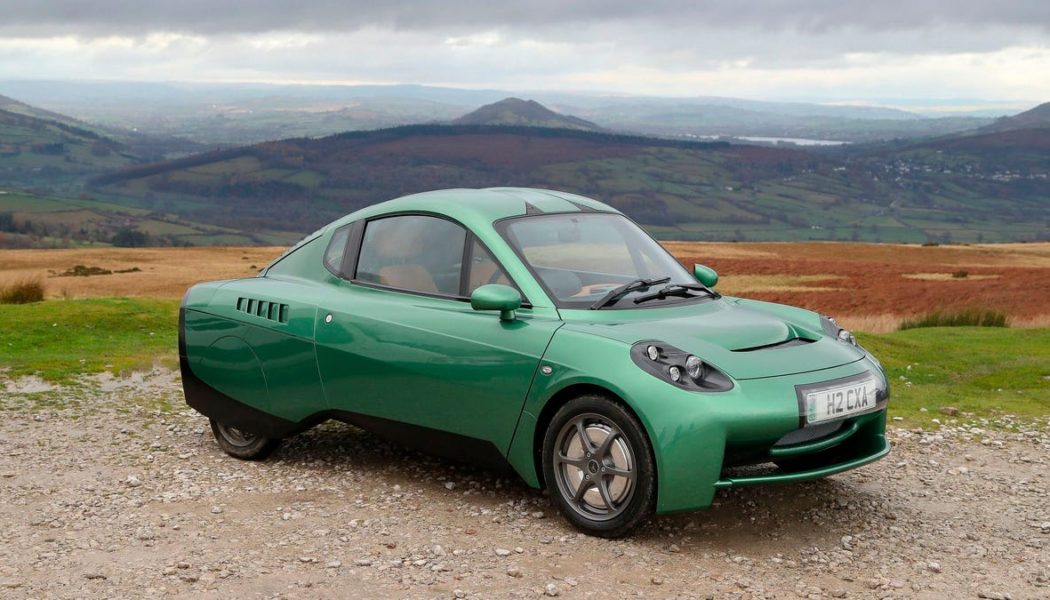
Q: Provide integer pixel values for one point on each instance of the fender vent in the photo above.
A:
(271, 311)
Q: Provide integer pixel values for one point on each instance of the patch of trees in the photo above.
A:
(130, 238)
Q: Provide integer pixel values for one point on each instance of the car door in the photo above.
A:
(397, 338)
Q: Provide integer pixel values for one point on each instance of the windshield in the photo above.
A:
(579, 258)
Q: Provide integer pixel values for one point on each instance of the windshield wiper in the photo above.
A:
(677, 289)
(619, 292)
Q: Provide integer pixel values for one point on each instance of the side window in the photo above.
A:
(484, 269)
(333, 255)
(413, 252)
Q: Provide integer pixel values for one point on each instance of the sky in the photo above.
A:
(843, 50)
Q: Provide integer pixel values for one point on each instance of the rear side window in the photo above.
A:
(413, 252)
(333, 255)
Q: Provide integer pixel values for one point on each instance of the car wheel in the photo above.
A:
(598, 465)
(241, 444)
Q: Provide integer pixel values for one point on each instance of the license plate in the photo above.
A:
(841, 401)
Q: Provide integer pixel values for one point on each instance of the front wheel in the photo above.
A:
(598, 464)
(241, 444)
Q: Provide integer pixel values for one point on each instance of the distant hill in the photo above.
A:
(1036, 118)
(238, 114)
(679, 190)
(142, 145)
(38, 147)
(38, 221)
(14, 106)
(47, 150)
(1013, 148)
(523, 113)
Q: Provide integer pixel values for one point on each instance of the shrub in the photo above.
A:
(84, 271)
(965, 318)
(23, 292)
(960, 274)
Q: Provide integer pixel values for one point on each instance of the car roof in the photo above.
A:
(473, 207)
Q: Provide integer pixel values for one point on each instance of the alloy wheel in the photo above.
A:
(594, 466)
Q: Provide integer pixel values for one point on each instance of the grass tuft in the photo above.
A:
(965, 318)
(26, 291)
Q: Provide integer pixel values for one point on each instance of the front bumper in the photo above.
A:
(858, 442)
(737, 439)
(696, 436)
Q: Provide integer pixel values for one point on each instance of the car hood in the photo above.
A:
(743, 339)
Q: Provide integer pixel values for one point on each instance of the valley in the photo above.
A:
(987, 183)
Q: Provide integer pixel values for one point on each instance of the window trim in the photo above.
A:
(356, 242)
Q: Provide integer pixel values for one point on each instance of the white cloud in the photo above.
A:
(761, 48)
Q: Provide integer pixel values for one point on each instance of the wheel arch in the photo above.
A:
(575, 390)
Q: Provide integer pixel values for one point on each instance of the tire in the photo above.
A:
(242, 445)
(604, 483)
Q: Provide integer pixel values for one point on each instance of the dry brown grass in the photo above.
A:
(737, 285)
(949, 277)
(719, 250)
(165, 272)
(883, 323)
(868, 287)
(978, 255)
(25, 291)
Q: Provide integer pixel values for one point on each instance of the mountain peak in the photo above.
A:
(526, 113)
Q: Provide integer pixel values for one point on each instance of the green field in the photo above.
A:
(60, 340)
(985, 373)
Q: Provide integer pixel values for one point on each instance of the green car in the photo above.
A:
(536, 329)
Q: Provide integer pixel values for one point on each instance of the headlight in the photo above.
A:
(694, 367)
(679, 368)
(675, 373)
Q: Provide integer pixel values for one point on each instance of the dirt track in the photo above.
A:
(104, 498)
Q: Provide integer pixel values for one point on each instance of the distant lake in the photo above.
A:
(796, 141)
(771, 140)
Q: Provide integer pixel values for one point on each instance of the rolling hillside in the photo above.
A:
(1035, 118)
(45, 150)
(37, 146)
(680, 190)
(35, 221)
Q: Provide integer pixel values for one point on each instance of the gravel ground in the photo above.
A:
(104, 493)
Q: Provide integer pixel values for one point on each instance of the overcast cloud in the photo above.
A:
(758, 48)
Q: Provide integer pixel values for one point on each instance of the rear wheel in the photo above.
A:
(241, 444)
(598, 465)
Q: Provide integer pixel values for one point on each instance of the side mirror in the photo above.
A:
(496, 296)
(705, 275)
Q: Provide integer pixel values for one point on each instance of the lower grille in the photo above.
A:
(809, 434)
